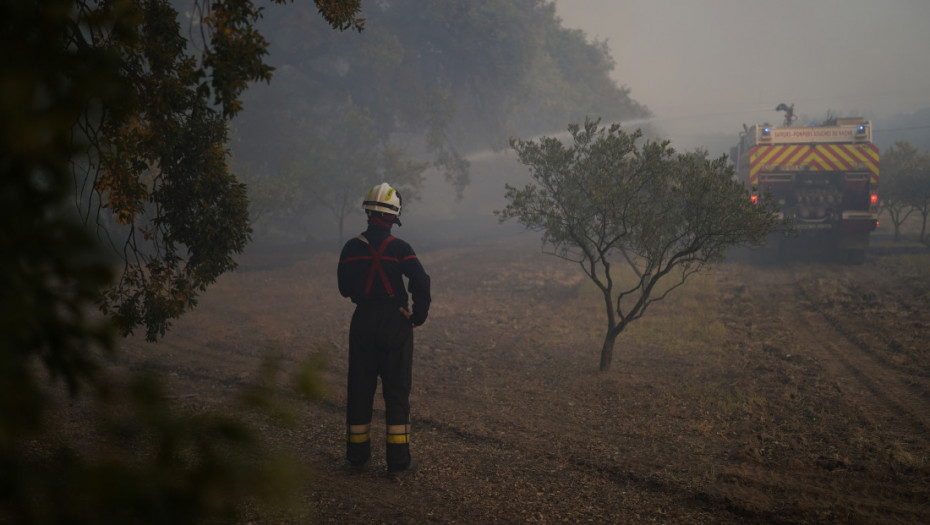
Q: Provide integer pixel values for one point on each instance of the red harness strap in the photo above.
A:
(376, 257)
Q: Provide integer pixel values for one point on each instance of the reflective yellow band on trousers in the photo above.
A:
(398, 439)
(398, 434)
(358, 438)
(358, 433)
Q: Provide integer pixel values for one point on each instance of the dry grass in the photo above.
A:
(911, 264)
(720, 406)
(905, 460)
(686, 321)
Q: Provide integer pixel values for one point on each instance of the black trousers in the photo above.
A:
(380, 344)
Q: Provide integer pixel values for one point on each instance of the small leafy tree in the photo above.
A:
(899, 163)
(269, 193)
(919, 194)
(665, 215)
(346, 159)
(920, 198)
(905, 186)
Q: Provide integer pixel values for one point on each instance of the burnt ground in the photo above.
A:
(797, 393)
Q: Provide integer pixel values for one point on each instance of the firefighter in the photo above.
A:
(371, 270)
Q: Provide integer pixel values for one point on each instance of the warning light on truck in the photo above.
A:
(860, 132)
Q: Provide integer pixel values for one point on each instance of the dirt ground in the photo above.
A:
(797, 393)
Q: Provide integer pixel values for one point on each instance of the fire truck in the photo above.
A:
(824, 179)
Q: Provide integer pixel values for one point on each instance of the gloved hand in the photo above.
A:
(416, 318)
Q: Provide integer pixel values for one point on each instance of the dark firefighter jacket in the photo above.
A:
(361, 278)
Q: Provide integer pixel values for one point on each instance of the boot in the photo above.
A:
(398, 452)
(411, 469)
(358, 450)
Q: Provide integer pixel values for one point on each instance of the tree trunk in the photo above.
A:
(897, 218)
(607, 351)
(923, 229)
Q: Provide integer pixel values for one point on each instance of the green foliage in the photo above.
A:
(307, 379)
(341, 14)
(346, 159)
(159, 163)
(436, 77)
(667, 215)
(569, 78)
(267, 194)
(156, 157)
(148, 462)
(103, 89)
(905, 186)
(51, 270)
(898, 165)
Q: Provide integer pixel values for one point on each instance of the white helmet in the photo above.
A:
(383, 198)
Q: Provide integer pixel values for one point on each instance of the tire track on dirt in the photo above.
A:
(886, 339)
(799, 483)
(863, 377)
(878, 356)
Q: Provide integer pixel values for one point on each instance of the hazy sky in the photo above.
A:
(714, 64)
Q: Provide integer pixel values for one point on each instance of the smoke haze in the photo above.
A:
(705, 67)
